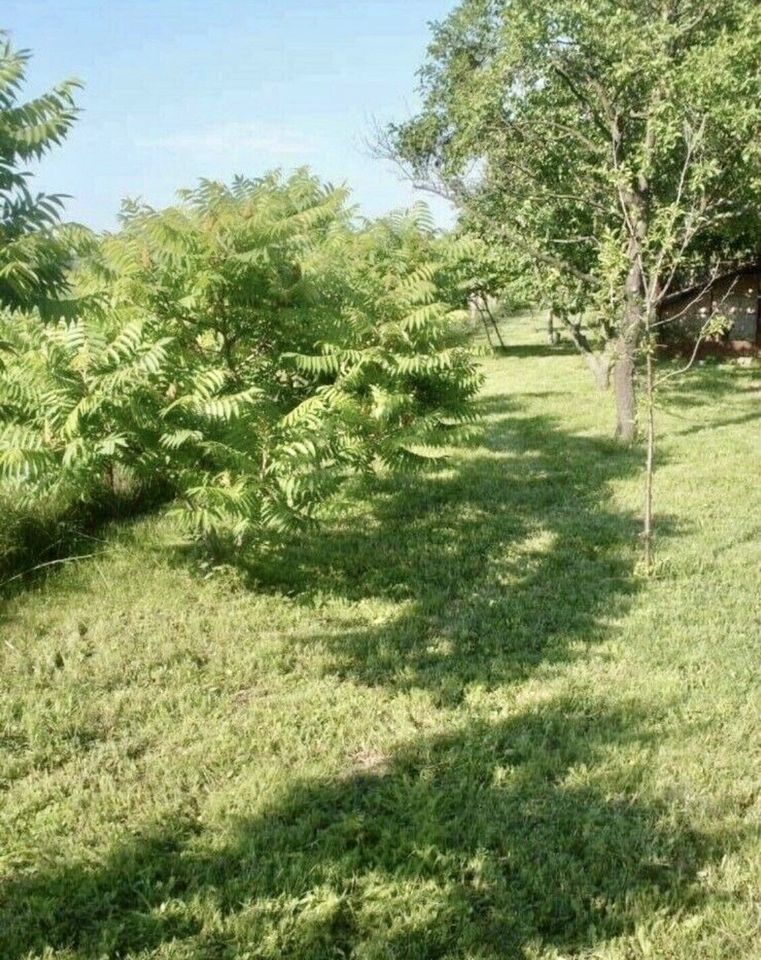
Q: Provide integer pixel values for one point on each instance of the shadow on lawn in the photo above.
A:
(714, 382)
(525, 350)
(506, 561)
(37, 545)
(487, 842)
(695, 398)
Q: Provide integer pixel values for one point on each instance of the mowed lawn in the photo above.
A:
(455, 722)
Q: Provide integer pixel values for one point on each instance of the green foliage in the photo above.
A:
(566, 106)
(617, 147)
(33, 249)
(498, 271)
(250, 348)
(75, 398)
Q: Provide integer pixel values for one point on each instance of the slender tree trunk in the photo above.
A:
(553, 337)
(486, 329)
(488, 315)
(647, 526)
(628, 338)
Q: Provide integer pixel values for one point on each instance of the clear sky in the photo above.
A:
(180, 89)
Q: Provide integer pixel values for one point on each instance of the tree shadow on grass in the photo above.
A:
(512, 558)
(713, 382)
(38, 543)
(493, 841)
(525, 350)
(714, 396)
(490, 841)
(753, 416)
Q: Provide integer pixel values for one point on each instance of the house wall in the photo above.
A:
(737, 298)
(687, 313)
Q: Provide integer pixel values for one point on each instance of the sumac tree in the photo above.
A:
(34, 250)
(250, 347)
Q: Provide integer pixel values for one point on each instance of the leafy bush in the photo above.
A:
(34, 249)
(248, 348)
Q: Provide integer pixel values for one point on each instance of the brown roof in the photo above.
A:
(707, 283)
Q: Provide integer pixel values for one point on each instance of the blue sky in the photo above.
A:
(180, 89)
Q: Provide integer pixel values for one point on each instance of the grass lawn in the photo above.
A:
(454, 723)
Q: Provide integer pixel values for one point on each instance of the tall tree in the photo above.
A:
(32, 256)
(618, 144)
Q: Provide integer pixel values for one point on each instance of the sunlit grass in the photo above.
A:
(455, 723)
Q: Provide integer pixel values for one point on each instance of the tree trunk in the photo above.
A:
(486, 329)
(647, 525)
(599, 364)
(488, 303)
(623, 388)
(553, 337)
(629, 333)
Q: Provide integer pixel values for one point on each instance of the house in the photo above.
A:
(734, 296)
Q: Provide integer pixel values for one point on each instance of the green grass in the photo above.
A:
(454, 723)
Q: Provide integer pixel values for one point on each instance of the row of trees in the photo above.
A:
(613, 148)
(247, 348)
(256, 343)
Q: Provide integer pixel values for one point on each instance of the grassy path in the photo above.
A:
(454, 724)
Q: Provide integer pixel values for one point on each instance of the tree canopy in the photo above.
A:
(33, 256)
(618, 145)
